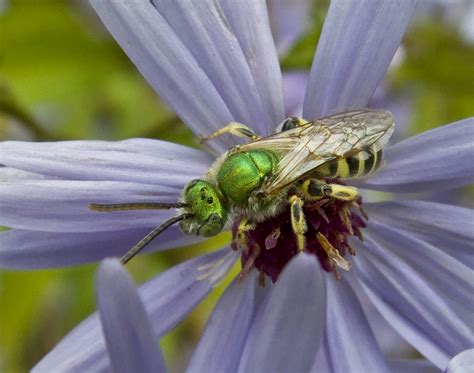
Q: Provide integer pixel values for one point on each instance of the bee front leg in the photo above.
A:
(298, 222)
(317, 189)
(244, 226)
(233, 128)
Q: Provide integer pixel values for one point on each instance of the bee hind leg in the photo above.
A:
(317, 189)
(298, 221)
(233, 128)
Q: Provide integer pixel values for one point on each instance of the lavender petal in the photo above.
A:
(350, 343)
(130, 342)
(222, 342)
(21, 249)
(192, 58)
(449, 228)
(289, 20)
(13, 174)
(249, 22)
(168, 298)
(437, 159)
(134, 160)
(358, 41)
(63, 206)
(294, 88)
(411, 366)
(447, 276)
(410, 304)
(289, 325)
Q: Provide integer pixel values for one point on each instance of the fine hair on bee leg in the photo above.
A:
(316, 189)
(241, 235)
(298, 221)
(233, 128)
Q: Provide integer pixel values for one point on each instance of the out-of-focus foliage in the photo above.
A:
(59, 63)
(436, 75)
(63, 77)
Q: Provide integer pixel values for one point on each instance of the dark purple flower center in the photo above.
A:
(330, 222)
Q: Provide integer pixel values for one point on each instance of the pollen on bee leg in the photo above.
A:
(241, 237)
(333, 253)
(298, 221)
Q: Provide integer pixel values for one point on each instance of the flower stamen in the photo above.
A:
(270, 244)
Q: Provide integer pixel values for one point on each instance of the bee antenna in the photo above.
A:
(152, 235)
(135, 206)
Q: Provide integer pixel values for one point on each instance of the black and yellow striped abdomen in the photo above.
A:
(357, 165)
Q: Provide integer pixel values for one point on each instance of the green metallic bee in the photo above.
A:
(259, 179)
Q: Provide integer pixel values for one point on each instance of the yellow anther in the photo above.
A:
(333, 254)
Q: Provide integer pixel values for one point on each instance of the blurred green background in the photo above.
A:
(63, 77)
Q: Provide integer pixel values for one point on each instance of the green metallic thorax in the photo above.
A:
(242, 173)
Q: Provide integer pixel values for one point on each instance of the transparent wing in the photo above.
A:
(305, 148)
(281, 142)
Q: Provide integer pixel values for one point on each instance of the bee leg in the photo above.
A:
(298, 221)
(233, 128)
(292, 123)
(317, 189)
(241, 235)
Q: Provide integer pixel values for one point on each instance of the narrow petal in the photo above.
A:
(351, 345)
(221, 345)
(168, 298)
(21, 249)
(294, 88)
(462, 362)
(390, 342)
(411, 366)
(63, 206)
(249, 22)
(409, 303)
(190, 54)
(449, 228)
(289, 325)
(323, 362)
(449, 278)
(289, 20)
(234, 47)
(358, 41)
(135, 160)
(130, 342)
(13, 174)
(437, 159)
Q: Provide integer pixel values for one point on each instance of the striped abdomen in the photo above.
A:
(356, 165)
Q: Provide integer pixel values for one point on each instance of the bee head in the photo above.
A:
(207, 205)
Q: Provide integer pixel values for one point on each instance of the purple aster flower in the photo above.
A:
(213, 63)
(124, 318)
